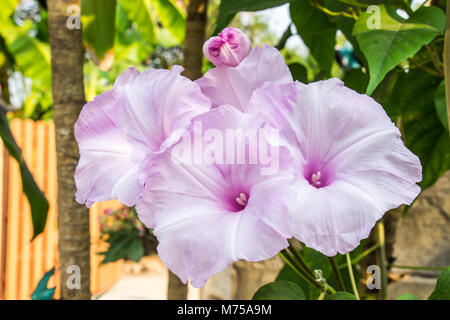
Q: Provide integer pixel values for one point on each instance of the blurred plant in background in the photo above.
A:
(128, 239)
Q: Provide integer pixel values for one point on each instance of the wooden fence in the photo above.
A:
(23, 263)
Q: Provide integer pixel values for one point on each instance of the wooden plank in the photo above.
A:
(25, 217)
(13, 228)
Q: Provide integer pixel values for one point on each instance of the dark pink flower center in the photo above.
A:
(239, 202)
(319, 176)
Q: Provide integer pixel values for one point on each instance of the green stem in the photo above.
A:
(337, 274)
(294, 266)
(352, 278)
(382, 258)
(297, 255)
(321, 296)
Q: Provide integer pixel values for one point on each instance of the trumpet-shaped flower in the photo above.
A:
(124, 128)
(206, 216)
(352, 165)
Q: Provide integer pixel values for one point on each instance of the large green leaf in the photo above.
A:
(38, 203)
(316, 31)
(442, 290)
(341, 295)
(229, 8)
(397, 39)
(279, 290)
(441, 105)
(139, 11)
(171, 17)
(98, 18)
(413, 102)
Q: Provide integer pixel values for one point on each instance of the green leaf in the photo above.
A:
(123, 244)
(229, 8)
(341, 295)
(356, 79)
(42, 292)
(413, 102)
(279, 290)
(407, 296)
(442, 290)
(316, 31)
(139, 11)
(171, 17)
(135, 250)
(441, 105)
(298, 72)
(98, 18)
(38, 203)
(396, 40)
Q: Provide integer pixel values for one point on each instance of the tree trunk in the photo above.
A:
(195, 37)
(68, 99)
(193, 61)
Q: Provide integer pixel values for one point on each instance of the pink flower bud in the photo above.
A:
(229, 48)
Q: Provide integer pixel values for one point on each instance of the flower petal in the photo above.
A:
(190, 208)
(235, 85)
(122, 128)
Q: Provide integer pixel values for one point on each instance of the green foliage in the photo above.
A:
(407, 296)
(356, 79)
(341, 295)
(279, 290)
(442, 289)
(396, 39)
(42, 292)
(316, 30)
(126, 236)
(139, 12)
(299, 72)
(441, 105)
(412, 101)
(229, 8)
(171, 17)
(38, 203)
(98, 18)
(123, 245)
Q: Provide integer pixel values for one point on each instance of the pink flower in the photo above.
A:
(235, 85)
(351, 162)
(229, 48)
(206, 216)
(124, 128)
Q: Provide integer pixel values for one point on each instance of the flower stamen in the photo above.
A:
(242, 199)
(315, 179)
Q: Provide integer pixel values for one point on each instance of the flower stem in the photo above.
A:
(382, 258)
(352, 278)
(297, 255)
(337, 274)
(299, 270)
(321, 296)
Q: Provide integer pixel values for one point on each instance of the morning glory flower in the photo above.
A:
(124, 128)
(234, 85)
(352, 165)
(206, 216)
(229, 48)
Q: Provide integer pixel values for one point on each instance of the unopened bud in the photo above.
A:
(229, 48)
